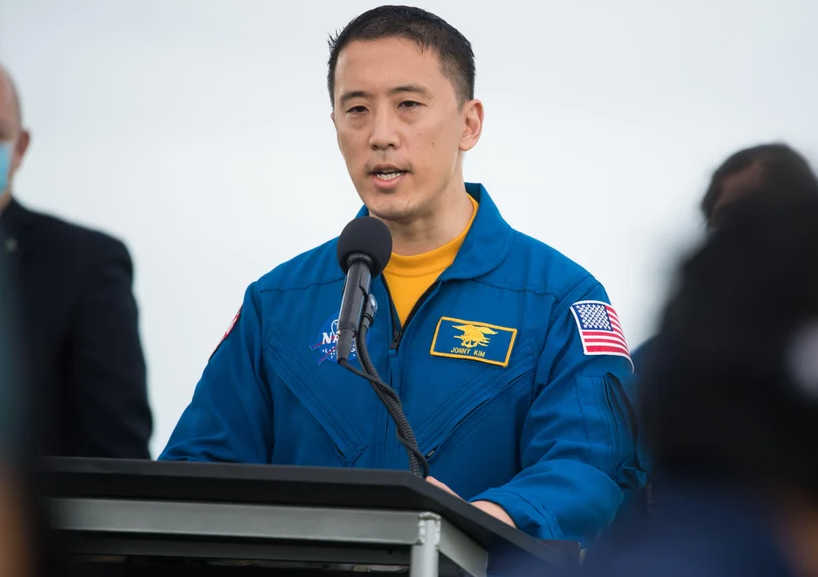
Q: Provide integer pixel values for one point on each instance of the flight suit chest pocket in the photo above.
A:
(462, 412)
(312, 425)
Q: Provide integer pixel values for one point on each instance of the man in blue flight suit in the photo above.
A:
(508, 358)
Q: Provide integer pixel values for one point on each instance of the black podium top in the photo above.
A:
(293, 486)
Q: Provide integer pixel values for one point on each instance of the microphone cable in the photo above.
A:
(417, 461)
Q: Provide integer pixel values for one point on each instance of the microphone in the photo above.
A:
(364, 248)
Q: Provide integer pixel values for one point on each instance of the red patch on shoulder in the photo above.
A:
(227, 332)
(232, 324)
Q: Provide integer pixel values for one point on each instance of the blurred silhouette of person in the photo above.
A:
(15, 541)
(775, 167)
(28, 546)
(78, 319)
(730, 405)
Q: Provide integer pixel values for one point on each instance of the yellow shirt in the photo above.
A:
(408, 277)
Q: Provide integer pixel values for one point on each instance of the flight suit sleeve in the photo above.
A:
(578, 445)
(230, 417)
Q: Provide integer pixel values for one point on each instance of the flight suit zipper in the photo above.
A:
(398, 328)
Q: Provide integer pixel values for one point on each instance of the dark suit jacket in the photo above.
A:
(80, 331)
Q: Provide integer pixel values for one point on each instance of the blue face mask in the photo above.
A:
(6, 150)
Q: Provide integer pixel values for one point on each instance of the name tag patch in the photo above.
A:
(459, 339)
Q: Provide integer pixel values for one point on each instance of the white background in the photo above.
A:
(198, 131)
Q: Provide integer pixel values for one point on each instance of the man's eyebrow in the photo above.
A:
(403, 89)
(347, 96)
(414, 88)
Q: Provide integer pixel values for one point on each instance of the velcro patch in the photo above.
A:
(599, 329)
(227, 332)
(459, 339)
(232, 324)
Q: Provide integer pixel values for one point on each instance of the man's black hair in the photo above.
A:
(421, 27)
(780, 168)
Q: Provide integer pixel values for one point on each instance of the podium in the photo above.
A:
(182, 518)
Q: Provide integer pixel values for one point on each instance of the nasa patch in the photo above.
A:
(326, 341)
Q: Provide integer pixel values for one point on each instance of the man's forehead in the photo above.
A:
(386, 65)
(394, 53)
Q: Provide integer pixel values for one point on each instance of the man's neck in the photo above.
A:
(435, 230)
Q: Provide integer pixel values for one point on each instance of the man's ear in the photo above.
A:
(20, 149)
(337, 136)
(472, 124)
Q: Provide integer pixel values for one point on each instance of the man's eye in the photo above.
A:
(409, 104)
(356, 110)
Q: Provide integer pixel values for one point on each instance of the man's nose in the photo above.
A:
(384, 131)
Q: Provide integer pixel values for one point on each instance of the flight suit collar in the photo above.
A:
(486, 245)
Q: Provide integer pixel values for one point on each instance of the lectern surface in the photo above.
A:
(242, 484)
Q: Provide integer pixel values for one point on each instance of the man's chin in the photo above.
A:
(387, 215)
(391, 214)
(388, 207)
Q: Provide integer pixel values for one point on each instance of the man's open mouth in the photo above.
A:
(389, 175)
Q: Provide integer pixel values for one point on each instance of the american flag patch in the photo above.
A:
(600, 329)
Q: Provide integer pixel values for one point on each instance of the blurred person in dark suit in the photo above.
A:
(78, 319)
(774, 167)
(730, 405)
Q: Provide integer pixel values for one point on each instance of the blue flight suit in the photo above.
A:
(506, 401)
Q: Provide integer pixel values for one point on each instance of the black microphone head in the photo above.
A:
(368, 236)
